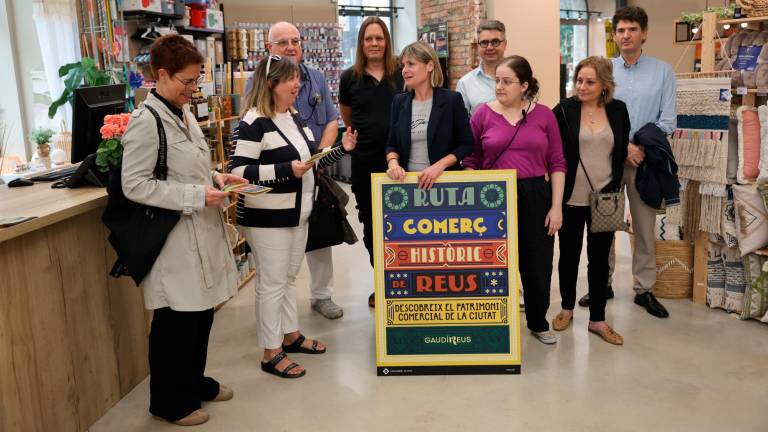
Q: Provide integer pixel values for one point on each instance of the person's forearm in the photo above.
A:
(447, 161)
(558, 187)
(330, 133)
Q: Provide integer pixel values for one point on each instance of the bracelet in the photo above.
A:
(392, 159)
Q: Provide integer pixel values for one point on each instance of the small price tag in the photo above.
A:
(741, 91)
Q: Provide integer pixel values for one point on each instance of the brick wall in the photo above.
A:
(463, 17)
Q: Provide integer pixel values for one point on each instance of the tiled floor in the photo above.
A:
(699, 370)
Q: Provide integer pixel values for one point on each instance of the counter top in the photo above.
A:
(49, 206)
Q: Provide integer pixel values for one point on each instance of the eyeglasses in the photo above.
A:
(506, 82)
(493, 42)
(285, 42)
(192, 82)
(270, 59)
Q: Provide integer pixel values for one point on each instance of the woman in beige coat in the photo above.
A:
(195, 270)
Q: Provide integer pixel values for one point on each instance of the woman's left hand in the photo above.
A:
(222, 180)
(428, 177)
(554, 220)
(349, 139)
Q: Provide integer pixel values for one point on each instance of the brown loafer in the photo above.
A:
(197, 417)
(225, 394)
(372, 300)
(561, 321)
(608, 335)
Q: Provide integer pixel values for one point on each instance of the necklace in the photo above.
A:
(591, 114)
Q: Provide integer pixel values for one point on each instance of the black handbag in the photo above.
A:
(325, 226)
(137, 231)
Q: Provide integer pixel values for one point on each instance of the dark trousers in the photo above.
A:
(598, 248)
(361, 187)
(178, 348)
(535, 249)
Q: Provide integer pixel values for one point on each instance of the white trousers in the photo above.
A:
(278, 253)
(320, 263)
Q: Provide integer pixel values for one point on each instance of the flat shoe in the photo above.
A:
(372, 300)
(608, 335)
(296, 347)
(561, 322)
(225, 394)
(271, 367)
(197, 417)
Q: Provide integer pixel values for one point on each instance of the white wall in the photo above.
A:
(10, 111)
(406, 23)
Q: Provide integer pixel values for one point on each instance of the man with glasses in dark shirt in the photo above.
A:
(365, 99)
(479, 86)
(316, 108)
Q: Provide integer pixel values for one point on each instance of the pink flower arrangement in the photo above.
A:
(114, 126)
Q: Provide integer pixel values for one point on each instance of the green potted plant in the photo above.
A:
(42, 139)
(73, 74)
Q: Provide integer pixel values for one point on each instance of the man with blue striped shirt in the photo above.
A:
(647, 86)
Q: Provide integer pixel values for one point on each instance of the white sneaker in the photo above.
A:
(546, 337)
(327, 308)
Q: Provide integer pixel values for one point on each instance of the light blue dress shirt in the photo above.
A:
(648, 89)
(476, 88)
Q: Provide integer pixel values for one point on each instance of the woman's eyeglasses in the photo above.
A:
(270, 59)
(192, 82)
(493, 42)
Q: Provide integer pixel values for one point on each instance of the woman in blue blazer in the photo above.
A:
(430, 129)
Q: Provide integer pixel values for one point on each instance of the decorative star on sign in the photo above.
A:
(494, 282)
(493, 291)
(486, 273)
(493, 274)
(399, 293)
(487, 291)
(398, 275)
(501, 273)
(391, 276)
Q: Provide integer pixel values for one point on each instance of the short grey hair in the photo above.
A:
(492, 25)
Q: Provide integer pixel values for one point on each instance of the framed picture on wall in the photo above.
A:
(683, 32)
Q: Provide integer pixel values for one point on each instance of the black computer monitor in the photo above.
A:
(90, 106)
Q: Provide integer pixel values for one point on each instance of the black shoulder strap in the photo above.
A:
(570, 134)
(161, 167)
(299, 124)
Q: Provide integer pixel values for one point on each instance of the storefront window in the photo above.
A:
(574, 42)
(351, 18)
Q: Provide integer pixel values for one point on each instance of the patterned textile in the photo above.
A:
(756, 295)
(735, 283)
(715, 276)
(763, 113)
(700, 146)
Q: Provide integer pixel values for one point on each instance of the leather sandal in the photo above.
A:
(197, 417)
(561, 321)
(608, 335)
(271, 367)
(296, 347)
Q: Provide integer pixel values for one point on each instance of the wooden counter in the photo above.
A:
(73, 340)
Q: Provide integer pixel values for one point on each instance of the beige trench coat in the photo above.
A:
(195, 270)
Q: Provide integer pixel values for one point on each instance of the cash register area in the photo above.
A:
(692, 370)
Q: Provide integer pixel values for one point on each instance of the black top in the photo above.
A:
(370, 101)
(448, 130)
(568, 114)
(174, 109)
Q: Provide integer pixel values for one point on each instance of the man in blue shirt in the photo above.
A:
(647, 86)
(479, 85)
(316, 108)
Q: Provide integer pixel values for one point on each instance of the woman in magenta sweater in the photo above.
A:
(515, 132)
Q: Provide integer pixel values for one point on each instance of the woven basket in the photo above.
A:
(674, 268)
(754, 8)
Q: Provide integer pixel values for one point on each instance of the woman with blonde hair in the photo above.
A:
(430, 126)
(595, 134)
(271, 144)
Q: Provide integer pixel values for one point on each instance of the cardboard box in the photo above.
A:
(138, 5)
(215, 20)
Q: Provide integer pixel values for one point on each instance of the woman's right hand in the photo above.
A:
(299, 168)
(395, 171)
(214, 197)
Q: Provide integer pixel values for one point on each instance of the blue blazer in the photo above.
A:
(448, 131)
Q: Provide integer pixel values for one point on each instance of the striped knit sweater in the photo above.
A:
(263, 155)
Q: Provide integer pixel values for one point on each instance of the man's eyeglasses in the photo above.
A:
(192, 82)
(285, 42)
(270, 59)
(493, 42)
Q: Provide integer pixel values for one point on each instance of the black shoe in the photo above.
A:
(372, 300)
(584, 301)
(649, 302)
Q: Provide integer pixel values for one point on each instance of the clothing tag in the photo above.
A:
(741, 91)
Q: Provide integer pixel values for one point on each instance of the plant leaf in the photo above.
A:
(63, 99)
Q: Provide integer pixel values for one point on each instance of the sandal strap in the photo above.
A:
(297, 343)
(289, 368)
(277, 359)
(314, 345)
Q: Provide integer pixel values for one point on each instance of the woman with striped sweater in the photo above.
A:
(271, 143)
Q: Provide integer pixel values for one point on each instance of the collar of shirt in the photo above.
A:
(480, 72)
(634, 65)
(174, 109)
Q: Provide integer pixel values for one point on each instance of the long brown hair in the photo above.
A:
(390, 64)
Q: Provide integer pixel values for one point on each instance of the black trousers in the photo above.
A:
(361, 187)
(535, 248)
(598, 248)
(178, 348)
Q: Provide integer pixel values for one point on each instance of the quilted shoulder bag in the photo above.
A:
(606, 208)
